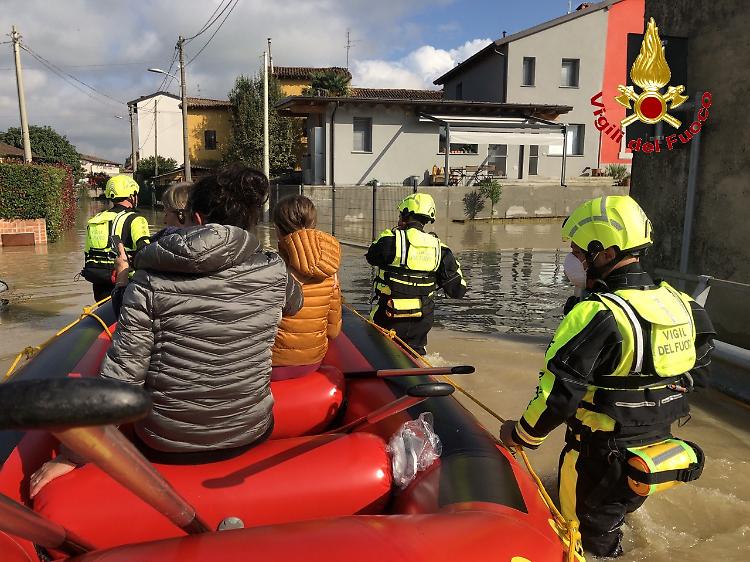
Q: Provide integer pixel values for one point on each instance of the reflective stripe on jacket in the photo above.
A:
(619, 363)
(411, 273)
(118, 221)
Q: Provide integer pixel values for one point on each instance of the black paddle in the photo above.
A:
(410, 372)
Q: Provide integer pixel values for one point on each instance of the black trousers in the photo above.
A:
(412, 330)
(102, 291)
(594, 491)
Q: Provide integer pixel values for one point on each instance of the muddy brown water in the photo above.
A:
(516, 290)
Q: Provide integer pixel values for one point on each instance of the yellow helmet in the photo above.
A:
(121, 186)
(420, 204)
(609, 221)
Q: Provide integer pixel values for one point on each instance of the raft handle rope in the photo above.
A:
(30, 351)
(567, 530)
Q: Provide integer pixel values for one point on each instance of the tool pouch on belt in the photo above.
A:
(407, 308)
(663, 465)
(98, 275)
(637, 410)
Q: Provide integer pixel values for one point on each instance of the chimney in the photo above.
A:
(504, 32)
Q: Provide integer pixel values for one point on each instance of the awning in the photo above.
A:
(473, 129)
(499, 130)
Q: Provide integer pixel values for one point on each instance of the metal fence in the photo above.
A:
(354, 214)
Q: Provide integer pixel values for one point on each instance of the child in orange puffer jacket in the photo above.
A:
(313, 257)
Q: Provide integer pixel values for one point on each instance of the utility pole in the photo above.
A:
(133, 159)
(183, 89)
(266, 151)
(270, 58)
(156, 138)
(21, 98)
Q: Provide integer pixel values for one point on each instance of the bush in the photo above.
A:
(33, 191)
(473, 204)
(98, 180)
(48, 146)
(618, 172)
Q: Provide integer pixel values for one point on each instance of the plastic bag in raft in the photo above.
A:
(414, 447)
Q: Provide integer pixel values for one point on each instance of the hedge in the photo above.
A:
(33, 191)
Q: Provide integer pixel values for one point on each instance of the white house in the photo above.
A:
(95, 165)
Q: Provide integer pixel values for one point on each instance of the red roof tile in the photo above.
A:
(306, 72)
(395, 94)
(207, 102)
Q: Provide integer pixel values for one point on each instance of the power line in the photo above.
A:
(52, 66)
(215, 32)
(211, 20)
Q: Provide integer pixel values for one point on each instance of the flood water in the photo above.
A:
(514, 301)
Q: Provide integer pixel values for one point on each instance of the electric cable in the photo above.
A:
(59, 71)
(215, 32)
(211, 20)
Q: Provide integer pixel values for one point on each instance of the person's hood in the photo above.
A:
(198, 249)
(313, 253)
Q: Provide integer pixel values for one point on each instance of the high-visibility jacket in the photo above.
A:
(412, 264)
(620, 364)
(124, 222)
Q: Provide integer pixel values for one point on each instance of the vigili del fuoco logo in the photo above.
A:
(651, 73)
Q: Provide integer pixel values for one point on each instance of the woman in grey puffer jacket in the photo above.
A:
(197, 324)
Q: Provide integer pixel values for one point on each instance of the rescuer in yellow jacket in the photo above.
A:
(120, 221)
(617, 372)
(412, 265)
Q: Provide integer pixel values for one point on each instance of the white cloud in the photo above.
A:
(418, 69)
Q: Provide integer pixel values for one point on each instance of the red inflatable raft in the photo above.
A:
(311, 492)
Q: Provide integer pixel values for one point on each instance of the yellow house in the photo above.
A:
(294, 79)
(209, 130)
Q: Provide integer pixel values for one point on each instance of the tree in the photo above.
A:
(491, 189)
(146, 167)
(246, 144)
(333, 83)
(47, 146)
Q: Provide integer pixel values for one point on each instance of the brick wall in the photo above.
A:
(37, 227)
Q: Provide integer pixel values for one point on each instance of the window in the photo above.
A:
(498, 155)
(209, 140)
(362, 134)
(570, 68)
(534, 160)
(456, 148)
(460, 91)
(573, 142)
(575, 139)
(529, 71)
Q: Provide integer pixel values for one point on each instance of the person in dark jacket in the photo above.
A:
(618, 373)
(412, 265)
(197, 324)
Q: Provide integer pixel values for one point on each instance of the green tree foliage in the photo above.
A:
(246, 143)
(32, 191)
(331, 83)
(146, 167)
(48, 146)
(491, 189)
(473, 204)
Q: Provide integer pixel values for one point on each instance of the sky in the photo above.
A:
(109, 44)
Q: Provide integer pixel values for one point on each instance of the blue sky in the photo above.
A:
(108, 44)
(449, 24)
